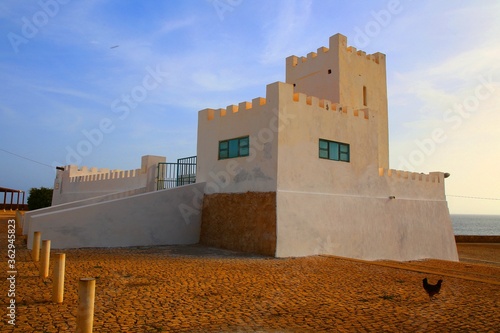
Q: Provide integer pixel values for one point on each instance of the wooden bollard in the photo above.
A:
(58, 280)
(37, 237)
(19, 227)
(85, 314)
(45, 260)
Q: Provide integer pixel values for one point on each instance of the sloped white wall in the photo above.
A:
(26, 219)
(154, 218)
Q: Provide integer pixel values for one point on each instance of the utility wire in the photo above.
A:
(51, 167)
(26, 158)
(469, 197)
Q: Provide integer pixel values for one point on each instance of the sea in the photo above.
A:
(484, 225)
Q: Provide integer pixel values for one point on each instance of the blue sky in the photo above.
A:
(101, 83)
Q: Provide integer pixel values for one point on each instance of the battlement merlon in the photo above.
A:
(285, 91)
(431, 177)
(84, 173)
(210, 114)
(337, 44)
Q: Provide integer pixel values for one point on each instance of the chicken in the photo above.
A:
(432, 289)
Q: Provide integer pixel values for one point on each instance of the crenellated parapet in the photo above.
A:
(85, 174)
(327, 105)
(286, 93)
(338, 44)
(377, 57)
(77, 183)
(294, 61)
(210, 114)
(432, 177)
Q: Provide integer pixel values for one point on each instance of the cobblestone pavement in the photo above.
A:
(195, 289)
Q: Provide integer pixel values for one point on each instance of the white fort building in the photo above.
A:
(301, 171)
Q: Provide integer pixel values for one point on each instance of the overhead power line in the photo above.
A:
(51, 167)
(470, 197)
(26, 158)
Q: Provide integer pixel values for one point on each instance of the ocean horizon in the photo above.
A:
(476, 225)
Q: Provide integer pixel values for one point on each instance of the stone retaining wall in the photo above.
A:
(476, 239)
(240, 221)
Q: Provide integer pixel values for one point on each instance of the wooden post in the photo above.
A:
(85, 314)
(58, 280)
(19, 228)
(36, 245)
(44, 263)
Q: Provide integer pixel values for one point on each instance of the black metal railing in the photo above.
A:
(171, 175)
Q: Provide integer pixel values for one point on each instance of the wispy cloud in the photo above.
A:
(291, 19)
(171, 26)
(68, 92)
(446, 82)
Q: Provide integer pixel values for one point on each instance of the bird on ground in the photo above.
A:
(432, 289)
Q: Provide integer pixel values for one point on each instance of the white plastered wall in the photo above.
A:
(258, 120)
(26, 219)
(153, 218)
(339, 208)
(363, 227)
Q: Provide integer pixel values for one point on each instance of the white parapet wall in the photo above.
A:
(164, 217)
(79, 183)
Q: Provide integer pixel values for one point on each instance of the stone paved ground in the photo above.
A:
(195, 289)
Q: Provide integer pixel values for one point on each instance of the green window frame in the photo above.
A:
(232, 148)
(335, 151)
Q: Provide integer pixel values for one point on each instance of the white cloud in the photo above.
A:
(67, 92)
(284, 30)
(466, 65)
(457, 93)
(428, 93)
(171, 26)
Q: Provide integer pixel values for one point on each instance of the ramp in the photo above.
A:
(164, 217)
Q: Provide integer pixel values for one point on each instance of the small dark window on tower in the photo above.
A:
(329, 71)
(364, 96)
(294, 85)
